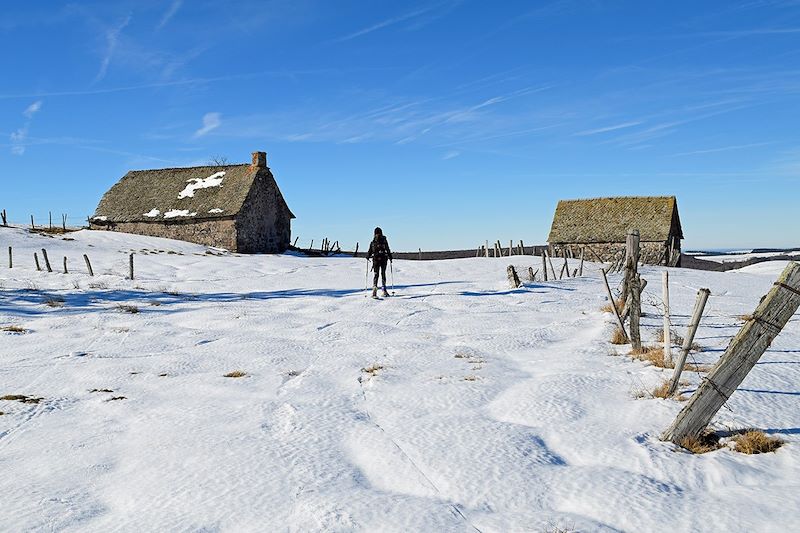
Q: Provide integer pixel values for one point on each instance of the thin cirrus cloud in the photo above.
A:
(112, 40)
(170, 12)
(19, 138)
(388, 22)
(615, 127)
(211, 121)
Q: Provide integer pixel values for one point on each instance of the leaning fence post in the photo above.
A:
(665, 297)
(544, 266)
(614, 306)
(513, 278)
(553, 270)
(5, 220)
(65, 265)
(130, 263)
(36, 260)
(699, 306)
(744, 351)
(580, 269)
(46, 260)
(88, 265)
(10, 258)
(355, 254)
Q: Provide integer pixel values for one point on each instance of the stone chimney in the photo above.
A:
(260, 159)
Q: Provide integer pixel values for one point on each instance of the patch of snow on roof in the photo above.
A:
(193, 184)
(179, 213)
(101, 218)
(215, 210)
(152, 213)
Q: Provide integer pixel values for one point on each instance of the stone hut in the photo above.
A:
(237, 207)
(600, 225)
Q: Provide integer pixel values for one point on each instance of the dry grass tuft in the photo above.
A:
(101, 390)
(130, 309)
(20, 398)
(115, 398)
(461, 356)
(235, 374)
(98, 285)
(373, 369)
(755, 441)
(704, 443)
(618, 337)
(19, 330)
(609, 308)
(652, 355)
(661, 391)
(54, 302)
(471, 378)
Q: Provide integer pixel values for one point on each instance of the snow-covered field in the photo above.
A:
(457, 405)
(744, 256)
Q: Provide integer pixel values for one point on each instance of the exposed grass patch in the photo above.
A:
(235, 374)
(130, 309)
(98, 285)
(115, 398)
(755, 441)
(652, 355)
(21, 398)
(155, 303)
(294, 373)
(101, 390)
(18, 330)
(163, 375)
(471, 378)
(704, 443)
(54, 302)
(618, 337)
(373, 369)
(609, 307)
(661, 391)
(461, 356)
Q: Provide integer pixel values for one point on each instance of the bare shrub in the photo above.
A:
(130, 309)
(19, 330)
(373, 369)
(54, 302)
(755, 441)
(652, 355)
(235, 374)
(21, 398)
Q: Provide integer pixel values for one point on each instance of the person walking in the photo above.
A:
(380, 254)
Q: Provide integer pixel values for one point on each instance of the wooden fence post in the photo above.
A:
(10, 258)
(550, 262)
(531, 274)
(620, 325)
(294, 244)
(513, 278)
(665, 297)
(36, 260)
(544, 266)
(130, 264)
(355, 254)
(5, 220)
(510, 247)
(33, 226)
(631, 260)
(697, 314)
(566, 265)
(51, 219)
(580, 269)
(744, 351)
(311, 246)
(65, 265)
(636, 312)
(46, 260)
(521, 247)
(420, 254)
(88, 265)
(64, 222)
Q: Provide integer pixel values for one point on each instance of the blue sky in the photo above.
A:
(447, 123)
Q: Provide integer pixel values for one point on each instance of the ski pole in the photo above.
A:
(391, 268)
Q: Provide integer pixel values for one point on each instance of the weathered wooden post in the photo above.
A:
(5, 220)
(355, 254)
(65, 266)
(544, 266)
(311, 246)
(420, 254)
(294, 244)
(36, 260)
(744, 351)
(64, 222)
(580, 269)
(46, 260)
(510, 247)
(521, 247)
(566, 265)
(636, 312)
(33, 226)
(550, 261)
(665, 297)
(130, 264)
(531, 274)
(513, 278)
(51, 219)
(620, 325)
(631, 260)
(88, 265)
(697, 314)
(487, 248)
(10, 258)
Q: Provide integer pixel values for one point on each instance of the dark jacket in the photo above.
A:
(379, 249)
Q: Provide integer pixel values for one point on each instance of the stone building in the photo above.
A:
(600, 225)
(237, 207)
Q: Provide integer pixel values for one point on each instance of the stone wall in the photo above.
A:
(264, 224)
(651, 253)
(220, 233)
